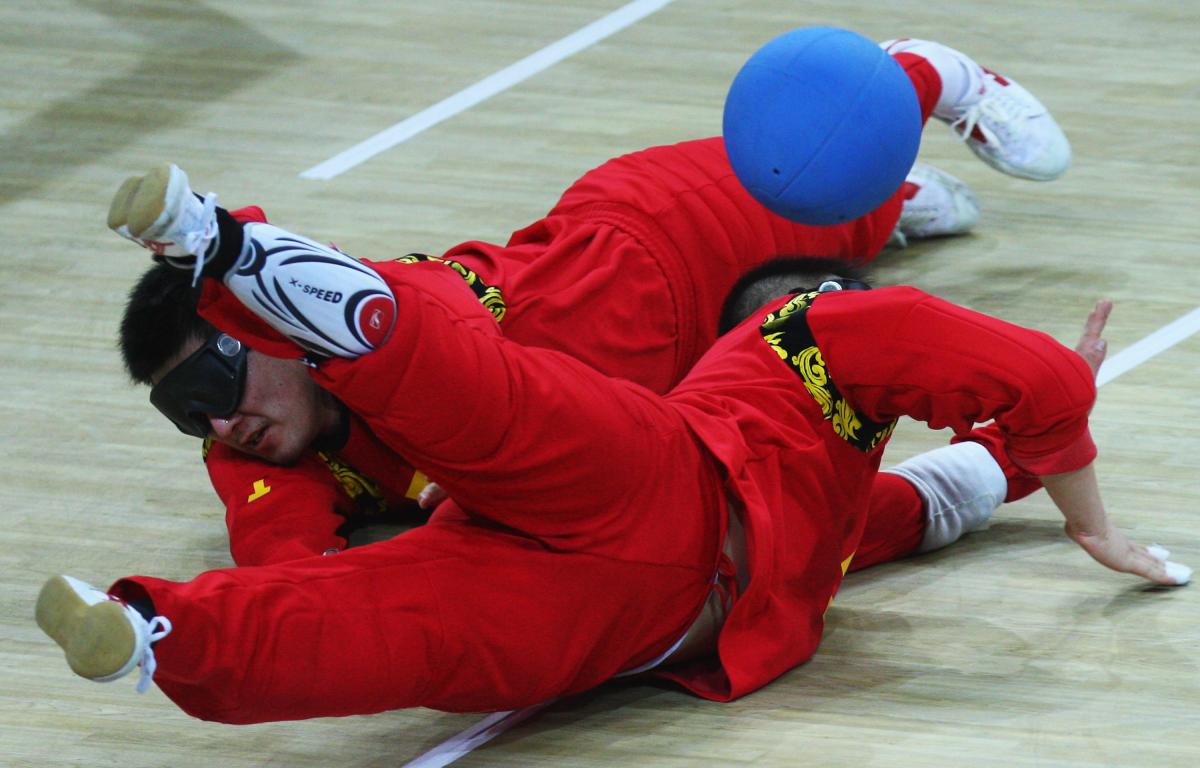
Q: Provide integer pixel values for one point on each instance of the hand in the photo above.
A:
(1091, 347)
(1077, 496)
(1113, 549)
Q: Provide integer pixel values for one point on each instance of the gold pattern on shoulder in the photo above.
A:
(786, 331)
(489, 295)
(362, 490)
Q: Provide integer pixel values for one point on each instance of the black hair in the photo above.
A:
(779, 277)
(160, 318)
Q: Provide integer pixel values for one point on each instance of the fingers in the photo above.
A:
(1152, 563)
(1097, 318)
(1091, 347)
(1178, 573)
(1148, 567)
(1113, 550)
(1175, 573)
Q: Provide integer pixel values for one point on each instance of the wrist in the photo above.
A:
(1077, 496)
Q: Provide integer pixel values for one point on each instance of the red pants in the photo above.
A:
(599, 517)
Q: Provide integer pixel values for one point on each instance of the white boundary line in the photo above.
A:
(481, 733)
(1159, 341)
(486, 88)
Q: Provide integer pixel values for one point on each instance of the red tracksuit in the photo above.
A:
(590, 511)
(627, 273)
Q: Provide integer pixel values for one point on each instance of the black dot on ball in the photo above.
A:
(775, 171)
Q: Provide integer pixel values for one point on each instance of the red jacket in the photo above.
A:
(802, 471)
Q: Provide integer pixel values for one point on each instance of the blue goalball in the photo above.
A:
(821, 126)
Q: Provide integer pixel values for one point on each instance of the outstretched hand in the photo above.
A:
(1077, 494)
(1112, 548)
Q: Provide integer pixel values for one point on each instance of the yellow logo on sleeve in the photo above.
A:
(260, 489)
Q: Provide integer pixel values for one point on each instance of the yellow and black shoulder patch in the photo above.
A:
(786, 331)
(489, 295)
(362, 490)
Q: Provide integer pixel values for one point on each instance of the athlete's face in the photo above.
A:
(281, 412)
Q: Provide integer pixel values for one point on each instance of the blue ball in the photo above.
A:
(821, 125)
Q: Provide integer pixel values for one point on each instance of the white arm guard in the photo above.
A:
(325, 301)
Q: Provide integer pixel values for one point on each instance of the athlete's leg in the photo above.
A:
(934, 499)
(689, 220)
(1002, 123)
(895, 522)
(528, 437)
(649, 245)
(454, 617)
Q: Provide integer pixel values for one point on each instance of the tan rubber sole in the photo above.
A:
(98, 640)
(139, 201)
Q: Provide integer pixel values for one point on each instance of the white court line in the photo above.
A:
(486, 88)
(482, 732)
(1159, 341)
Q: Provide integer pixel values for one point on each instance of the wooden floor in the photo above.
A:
(1010, 649)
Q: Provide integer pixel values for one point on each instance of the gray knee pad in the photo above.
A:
(961, 485)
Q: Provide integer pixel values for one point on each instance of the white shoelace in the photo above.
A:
(992, 111)
(160, 627)
(196, 242)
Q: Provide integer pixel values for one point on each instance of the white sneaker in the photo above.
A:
(1003, 124)
(936, 204)
(102, 637)
(158, 211)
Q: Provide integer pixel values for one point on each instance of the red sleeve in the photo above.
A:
(273, 513)
(1020, 482)
(248, 214)
(221, 308)
(502, 427)
(900, 352)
